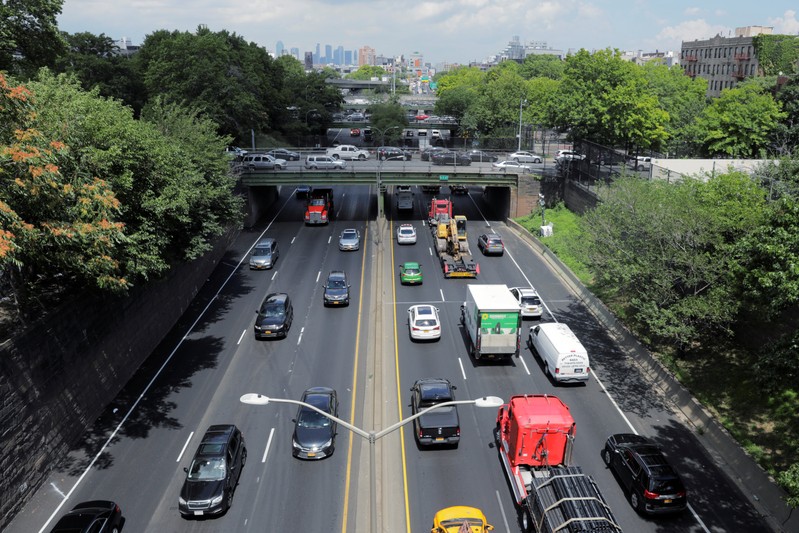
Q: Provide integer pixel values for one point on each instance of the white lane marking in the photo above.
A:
(302, 330)
(525, 366)
(241, 337)
(318, 275)
(56, 489)
(141, 396)
(442, 295)
(430, 250)
(268, 444)
(293, 239)
(502, 511)
(463, 372)
(329, 239)
(702, 524)
(274, 275)
(488, 224)
(185, 445)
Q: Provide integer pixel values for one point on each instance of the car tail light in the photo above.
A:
(458, 432)
(414, 328)
(651, 495)
(557, 370)
(421, 433)
(437, 328)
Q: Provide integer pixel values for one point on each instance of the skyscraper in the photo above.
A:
(279, 49)
(328, 54)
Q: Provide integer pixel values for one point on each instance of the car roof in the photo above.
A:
(410, 264)
(424, 309)
(215, 440)
(337, 274)
(526, 291)
(276, 297)
(350, 230)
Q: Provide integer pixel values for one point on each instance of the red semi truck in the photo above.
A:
(320, 207)
(534, 437)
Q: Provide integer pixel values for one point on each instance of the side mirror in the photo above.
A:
(294, 420)
(185, 469)
(454, 387)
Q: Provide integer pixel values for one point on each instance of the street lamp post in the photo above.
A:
(380, 199)
(371, 436)
(522, 101)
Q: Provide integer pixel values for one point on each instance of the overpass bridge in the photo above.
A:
(262, 185)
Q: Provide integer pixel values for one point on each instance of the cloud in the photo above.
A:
(690, 30)
(787, 24)
(691, 11)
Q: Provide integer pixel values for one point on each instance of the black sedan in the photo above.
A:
(653, 486)
(450, 158)
(388, 153)
(282, 153)
(274, 316)
(479, 156)
(430, 151)
(315, 434)
(97, 516)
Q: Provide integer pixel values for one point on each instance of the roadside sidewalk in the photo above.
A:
(760, 489)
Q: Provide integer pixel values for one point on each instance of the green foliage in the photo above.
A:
(367, 72)
(95, 60)
(542, 66)
(667, 251)
(607, 100)
(167, 174)
(777, 53)
(234, 83)
(786, 135)
(789, 479)
(777, 367)
(770, 267)
(388, 121)
(29, 28)
(739, 123)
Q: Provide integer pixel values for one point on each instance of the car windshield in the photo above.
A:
(272, 311)
(494, 240)
(311, 419)
(207, 469)
(425, 322)
(411, 271)
(260, 251)
(317, 201)
(454, 522)
(349, 235)
(666, 485)
(336, 284)
(406, 231)
(531, 300)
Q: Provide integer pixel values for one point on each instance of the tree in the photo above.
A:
(97, 63)
(786, 134)
(682, 98)
(739, 123)
(667, 252)
(234, 83)
(606, 99)
(542, 66)
(367, 72)
(29, 36)
(58, 221)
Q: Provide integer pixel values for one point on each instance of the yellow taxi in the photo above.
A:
(460, 519)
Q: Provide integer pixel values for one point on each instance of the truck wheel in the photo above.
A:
(335, 156)
(526, 520)
(361, 157)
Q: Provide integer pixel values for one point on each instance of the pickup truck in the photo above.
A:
(347, 151)
(440, 426)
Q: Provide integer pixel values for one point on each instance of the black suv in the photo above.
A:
(214, 472)
(652, 484)
(337, 290)
(274, 316)
(385, 153)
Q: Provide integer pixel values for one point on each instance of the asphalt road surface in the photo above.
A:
(196, 377)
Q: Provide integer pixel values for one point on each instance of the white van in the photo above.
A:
(564, 357)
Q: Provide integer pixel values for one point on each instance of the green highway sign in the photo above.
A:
(443, 178)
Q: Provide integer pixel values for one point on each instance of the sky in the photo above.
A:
(442, 31)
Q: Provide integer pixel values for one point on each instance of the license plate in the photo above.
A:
(438, 439)
(578, 370)
(311, 454)
(267, 332)
(198, 513)
(667, 501)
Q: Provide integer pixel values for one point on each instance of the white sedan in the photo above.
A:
(513, 166)
(525, 157)
(424, 323)
(406, 234)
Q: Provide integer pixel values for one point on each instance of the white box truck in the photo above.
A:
(492, 320)
(563, 355)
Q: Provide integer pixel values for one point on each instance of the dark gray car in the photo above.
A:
(337, 290)
(315, 434)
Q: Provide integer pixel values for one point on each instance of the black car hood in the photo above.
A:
(201, 490)
(312, 437)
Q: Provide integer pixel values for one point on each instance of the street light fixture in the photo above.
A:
(371, 436)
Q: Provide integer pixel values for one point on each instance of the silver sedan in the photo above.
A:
(349, 240)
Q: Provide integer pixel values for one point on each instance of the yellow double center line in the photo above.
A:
(348, 476)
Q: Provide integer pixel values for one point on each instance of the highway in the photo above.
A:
(195, 378)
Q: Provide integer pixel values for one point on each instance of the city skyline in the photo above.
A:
(460, 31)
